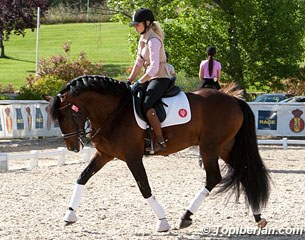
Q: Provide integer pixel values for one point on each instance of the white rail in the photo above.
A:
(284, 142)
(33, 156)
(62, 153)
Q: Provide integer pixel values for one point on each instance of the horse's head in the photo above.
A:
(71, 120)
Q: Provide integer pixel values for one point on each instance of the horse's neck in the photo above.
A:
(102, 108)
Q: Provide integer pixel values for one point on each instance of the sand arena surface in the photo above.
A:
(33, 202)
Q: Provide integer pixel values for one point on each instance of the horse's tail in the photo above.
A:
(246, 169)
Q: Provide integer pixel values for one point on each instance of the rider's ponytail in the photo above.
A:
(210, 65)
(211, 51)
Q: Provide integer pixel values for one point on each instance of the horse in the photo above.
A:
(223, 126)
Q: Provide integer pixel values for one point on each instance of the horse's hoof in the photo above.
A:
(184, 223)
(162, 225)
(262, 223)
(68, 223)
(70, 217)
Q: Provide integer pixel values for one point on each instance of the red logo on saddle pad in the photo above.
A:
(182, 112)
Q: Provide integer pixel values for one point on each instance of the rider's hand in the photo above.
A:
(135, 86)
(128, 83)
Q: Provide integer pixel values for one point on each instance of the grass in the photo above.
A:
(103, 42)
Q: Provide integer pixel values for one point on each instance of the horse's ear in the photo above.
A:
(47, 98)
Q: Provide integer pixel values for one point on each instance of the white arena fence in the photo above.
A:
(284, 142)
(61, 153)
(35, 157)
(29, 119)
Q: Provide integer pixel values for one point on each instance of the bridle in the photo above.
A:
(80, 132)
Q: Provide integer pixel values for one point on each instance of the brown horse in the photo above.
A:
(223, 126)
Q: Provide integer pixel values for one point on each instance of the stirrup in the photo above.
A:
(156, 146)
(163, 143)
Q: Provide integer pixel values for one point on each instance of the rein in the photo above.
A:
(81, 132)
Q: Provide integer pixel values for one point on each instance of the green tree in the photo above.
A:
(162, 9)
(258, 42)
(16, 16)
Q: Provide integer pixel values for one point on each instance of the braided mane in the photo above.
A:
(100, 84)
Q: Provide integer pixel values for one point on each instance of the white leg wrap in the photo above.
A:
(70, 216)
(162, 225)
(77, 193)
(156, 207)
(198, 199)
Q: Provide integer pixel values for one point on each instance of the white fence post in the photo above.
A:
(86, 155)
(33, 159)
(61, 156)
(285, 144)
(3, 162)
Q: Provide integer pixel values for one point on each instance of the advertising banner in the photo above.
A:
(26, 119)
(279, 119)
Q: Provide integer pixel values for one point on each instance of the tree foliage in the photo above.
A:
(162, 9)
(16, 16)
(259, 43)
(79, 4)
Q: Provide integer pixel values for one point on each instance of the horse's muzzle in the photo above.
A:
(75, 147)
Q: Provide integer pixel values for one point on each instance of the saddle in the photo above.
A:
(139, 96)
(210, 83)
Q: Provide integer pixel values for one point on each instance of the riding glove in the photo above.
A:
(136, 86)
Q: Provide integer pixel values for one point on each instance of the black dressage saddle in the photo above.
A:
(139, 96)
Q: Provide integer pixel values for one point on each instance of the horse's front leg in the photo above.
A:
(96, 163)
(138, 171)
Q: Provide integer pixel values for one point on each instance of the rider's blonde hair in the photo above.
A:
(157, 29)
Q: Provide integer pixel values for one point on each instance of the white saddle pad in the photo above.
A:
(178, 111)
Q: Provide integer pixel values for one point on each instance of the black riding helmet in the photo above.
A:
(142, 15)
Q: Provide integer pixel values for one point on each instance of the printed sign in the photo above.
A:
(26, 119)
(296, 124)
(267, 120)
(38, 119)
(19, 119)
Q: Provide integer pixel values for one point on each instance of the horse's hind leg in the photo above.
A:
(138, 171)
(96, 163)
(261, 222)
(213, 177)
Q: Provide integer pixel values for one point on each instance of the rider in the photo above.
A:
(156, 77)
(210, 70)
(209, 74)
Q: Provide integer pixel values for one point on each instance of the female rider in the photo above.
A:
(151, 56)
(210, 70)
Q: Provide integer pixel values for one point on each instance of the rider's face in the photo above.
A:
(139, 27)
